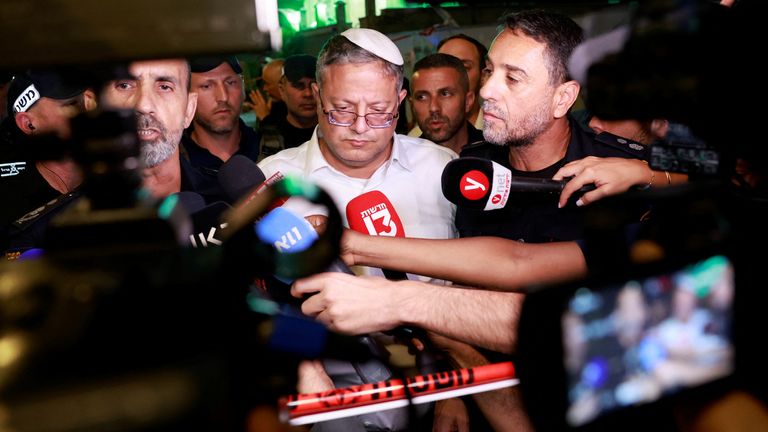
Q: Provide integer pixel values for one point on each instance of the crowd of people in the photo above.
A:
(331, 119)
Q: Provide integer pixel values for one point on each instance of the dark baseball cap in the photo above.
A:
(299, 66)
(27, 88)
(205, 64)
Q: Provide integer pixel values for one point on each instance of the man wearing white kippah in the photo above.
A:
(355, 155)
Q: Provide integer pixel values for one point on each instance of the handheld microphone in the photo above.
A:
(207, 225)
(290, 233)
(192, 202)
(482, 184)
(372, 213)
(239, 177)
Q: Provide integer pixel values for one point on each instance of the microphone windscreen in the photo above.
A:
(476, 183)
(238, 176)
(372, 213)
(287, 232)
(207, 225)
(191, 201)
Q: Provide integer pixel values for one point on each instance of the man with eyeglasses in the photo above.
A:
(355, 151)
(299, 123)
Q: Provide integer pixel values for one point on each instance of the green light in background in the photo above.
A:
(293, 17)
(321, 14)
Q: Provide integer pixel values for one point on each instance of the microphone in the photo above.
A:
(372, 213)
(207, 224)
(290, 233)
(239, 176)
(482, 184)
(191, 201)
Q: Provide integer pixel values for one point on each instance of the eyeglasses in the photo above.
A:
(348, 118)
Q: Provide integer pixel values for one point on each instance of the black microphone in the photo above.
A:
(190, 201)
(482, 184)
(239, 176)
(207, 224)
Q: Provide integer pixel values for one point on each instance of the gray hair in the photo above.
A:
(338, 50)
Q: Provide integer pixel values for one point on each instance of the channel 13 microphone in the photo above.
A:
(372, 213)
(482, 184)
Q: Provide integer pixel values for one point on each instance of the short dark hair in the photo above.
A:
(439, 60)
(558, 32)
(340, 50)
(482, 51)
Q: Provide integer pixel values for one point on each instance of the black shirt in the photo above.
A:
(200, 168)
(22, 187)
(283, 135)
(534, 217)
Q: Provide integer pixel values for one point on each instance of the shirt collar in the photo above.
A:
(316, 160)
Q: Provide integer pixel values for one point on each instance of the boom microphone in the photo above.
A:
(482, 184)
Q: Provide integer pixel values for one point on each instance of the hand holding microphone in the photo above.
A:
(482, 184)
(611, 176)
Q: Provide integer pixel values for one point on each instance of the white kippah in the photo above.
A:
(375, 43)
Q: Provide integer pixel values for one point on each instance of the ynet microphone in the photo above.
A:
(481, 184)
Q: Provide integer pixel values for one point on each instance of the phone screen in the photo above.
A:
(634, 342)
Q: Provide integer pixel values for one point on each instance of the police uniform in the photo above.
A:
(200, 168)
(533, 217)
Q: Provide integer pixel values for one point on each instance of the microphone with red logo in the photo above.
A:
(372, 213)
(481, 184)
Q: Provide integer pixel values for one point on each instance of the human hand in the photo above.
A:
(349, 304)
(450, 416)
(318, 222)
(259, 104)
(610, 176)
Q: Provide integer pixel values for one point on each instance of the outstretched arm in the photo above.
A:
(358, 305)
(469, 260)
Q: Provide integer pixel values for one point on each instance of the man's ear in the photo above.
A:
(315, 91)
(191, 107)
(403, 94)
(469, 102)
(24, 121)
(564, 98)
